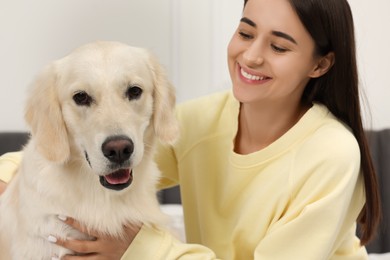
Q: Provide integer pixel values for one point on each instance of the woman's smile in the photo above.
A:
(252, 77)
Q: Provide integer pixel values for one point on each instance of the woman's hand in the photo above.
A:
(103, 247)
(3, 185)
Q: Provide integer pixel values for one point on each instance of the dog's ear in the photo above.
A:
(164, 118)
(44, 116)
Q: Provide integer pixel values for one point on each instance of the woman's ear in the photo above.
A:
(323, 65)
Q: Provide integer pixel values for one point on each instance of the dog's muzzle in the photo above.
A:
(118, 150)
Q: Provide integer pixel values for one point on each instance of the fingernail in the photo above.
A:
(52, 239)
(62, 217)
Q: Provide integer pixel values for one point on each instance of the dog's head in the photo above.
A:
(104, 103)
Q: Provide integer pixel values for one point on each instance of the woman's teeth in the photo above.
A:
(251, 77)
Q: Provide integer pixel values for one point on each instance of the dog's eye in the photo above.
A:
(133, 92)
(82, 98)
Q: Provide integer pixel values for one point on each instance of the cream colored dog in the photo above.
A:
(94, 117)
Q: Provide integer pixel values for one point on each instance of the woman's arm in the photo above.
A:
(138, 243)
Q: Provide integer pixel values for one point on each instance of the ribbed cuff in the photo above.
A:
(146, 245)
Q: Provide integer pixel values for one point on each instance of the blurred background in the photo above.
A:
(188, 37)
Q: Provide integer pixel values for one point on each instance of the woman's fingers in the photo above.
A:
(77, 225)
(3, 185)
(72, 257)
(98, 246)
(82, 247)
(84, 257)
(85, 249)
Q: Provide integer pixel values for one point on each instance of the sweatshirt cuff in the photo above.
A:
(9, 164)
(146, 244)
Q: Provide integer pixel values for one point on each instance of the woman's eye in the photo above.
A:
(82, 99)
(278, 49)
(133, 92)
(245, 36)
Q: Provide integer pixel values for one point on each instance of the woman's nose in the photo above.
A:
(253, 55)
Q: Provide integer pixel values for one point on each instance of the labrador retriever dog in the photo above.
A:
(95, 116)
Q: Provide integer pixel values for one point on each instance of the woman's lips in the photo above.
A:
(247, 76)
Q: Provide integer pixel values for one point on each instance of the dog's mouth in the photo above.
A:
(117, 180)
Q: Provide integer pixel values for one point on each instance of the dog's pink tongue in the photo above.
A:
(118, 177)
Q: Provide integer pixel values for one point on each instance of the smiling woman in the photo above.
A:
(270, 68)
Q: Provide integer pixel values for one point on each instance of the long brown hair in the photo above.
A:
(330, 24)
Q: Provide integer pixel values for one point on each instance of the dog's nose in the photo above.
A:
(118, 149)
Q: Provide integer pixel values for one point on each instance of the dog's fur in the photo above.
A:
(87, 111)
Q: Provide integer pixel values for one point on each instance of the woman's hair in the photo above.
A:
(330, 24)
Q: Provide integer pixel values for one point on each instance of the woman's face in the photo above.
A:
(270, 56)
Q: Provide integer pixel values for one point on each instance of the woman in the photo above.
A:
(279, 167)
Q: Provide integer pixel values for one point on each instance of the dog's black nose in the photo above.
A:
(118, 149)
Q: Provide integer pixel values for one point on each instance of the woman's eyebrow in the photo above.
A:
(285, 36)
(248, 21)
(275, 33)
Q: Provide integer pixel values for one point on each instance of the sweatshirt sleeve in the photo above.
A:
(156, 244)
(167, 164)
(9, 163)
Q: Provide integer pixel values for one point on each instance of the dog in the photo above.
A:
(95, 116)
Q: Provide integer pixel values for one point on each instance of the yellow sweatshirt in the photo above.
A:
(298, 198)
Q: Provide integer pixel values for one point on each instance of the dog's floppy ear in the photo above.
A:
(164, 119)
(43, 114)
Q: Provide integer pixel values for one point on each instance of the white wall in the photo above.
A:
(33, 33)
(189, 37)
(372, 22)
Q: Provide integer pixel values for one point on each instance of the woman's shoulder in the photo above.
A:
(329, 153)
(212, 101)
(331, 139)
(208, 117)
(208, 108)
